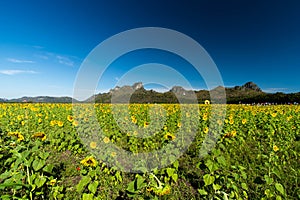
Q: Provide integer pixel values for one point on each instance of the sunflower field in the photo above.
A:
(56, 151)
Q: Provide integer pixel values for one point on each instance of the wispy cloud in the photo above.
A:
(65, 60)
(15, 71)
(41, 56)
(13, 60)
(272, 90)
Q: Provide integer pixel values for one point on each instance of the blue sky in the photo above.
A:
(43, 43)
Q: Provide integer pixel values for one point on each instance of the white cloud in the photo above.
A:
(15, 71)
(65, 60)
(13, 60)
(272, 90)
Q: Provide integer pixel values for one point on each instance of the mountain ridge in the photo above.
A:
(247, 93)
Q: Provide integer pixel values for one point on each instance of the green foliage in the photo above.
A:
(43, 157)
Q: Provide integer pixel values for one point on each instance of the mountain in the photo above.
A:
(250, 86)
(247, 93)
(3, 100)
(43, 99)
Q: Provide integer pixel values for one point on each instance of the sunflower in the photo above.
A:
(133, 119)
(60, 123)
(204, 117)
(53, 123)
(40, 135)
(146, 124)
(52, 182)
(206, 102)
(227, 135)
(40, 120)
(17, 135)
(162, 191)
(93, 145)
(289, 118)
(70, 118)
(113, 154)
(220, 122)
(274, 114)
(106, 140)
(230, 134)
(75, 123)
(89, 162)
(179, 125)
(20, 137)
(275, 148)
(170, 136)
(206, 130)
(244, 121)
(233, 133)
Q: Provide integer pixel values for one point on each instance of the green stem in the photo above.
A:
(29, 181)
(160, 184)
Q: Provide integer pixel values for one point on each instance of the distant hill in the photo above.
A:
(42, 99)
(2, 100)
(247, 93)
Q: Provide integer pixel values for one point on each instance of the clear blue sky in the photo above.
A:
(42, 43)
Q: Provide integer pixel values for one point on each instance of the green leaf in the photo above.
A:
(278, 197)
(130, 187)
(170, 171)
(28, 162)
(40, 181)
(221, 160)
(244, 175)
(11, 184)
(87, 196)
(268, 179)
(32, 177)
(211, 165)
(217, 187)
(48, 168)
(5, 175)
(208, 179)
(82, 184)
(92, 173)
(18, 162)
(5, 197)
(176, 164)
(175, 177)
(38, 164)
(202, 192)
(93, 187)
(44, 155)
(268, 193)
(139, 182)
(276, 172)
(244, 186)
(279, 187)
(142, 169)
(118, 176)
